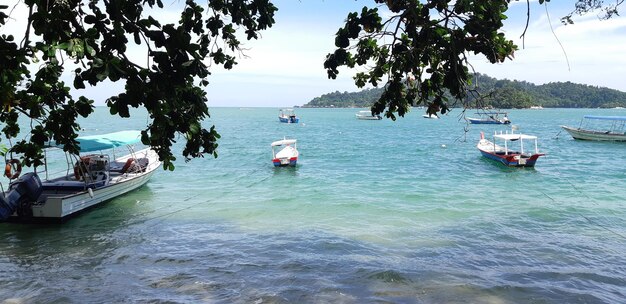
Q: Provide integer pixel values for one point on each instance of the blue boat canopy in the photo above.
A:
(106, 141)
(623, 118)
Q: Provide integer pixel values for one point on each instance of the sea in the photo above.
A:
(403, 211)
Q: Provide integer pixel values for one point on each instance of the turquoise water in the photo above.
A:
(376, 211)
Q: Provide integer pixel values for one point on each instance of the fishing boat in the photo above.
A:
(284, 153)
(91, 178)
(505, 154)
(606, 128)
(367, 115)
(490, 118)
(287, 116)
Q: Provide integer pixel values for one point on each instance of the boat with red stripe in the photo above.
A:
(507, 155)
(285, 153)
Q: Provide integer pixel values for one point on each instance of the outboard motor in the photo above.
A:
(27, 188)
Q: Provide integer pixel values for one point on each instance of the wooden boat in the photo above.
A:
(506, 155)
(490, 118)
(367, 115)
(284, 153)
(89, 180)
(613, 130)
(287, 116)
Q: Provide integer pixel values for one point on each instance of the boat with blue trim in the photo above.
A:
(504, 154)
(90, 178)
(611, 130)
(287, 116)
(490, 118)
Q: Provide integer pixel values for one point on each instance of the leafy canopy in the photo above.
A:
(95, 35)
(421, 51)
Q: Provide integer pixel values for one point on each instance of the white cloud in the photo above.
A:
(593, 48)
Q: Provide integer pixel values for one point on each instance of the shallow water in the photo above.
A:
(376, 211)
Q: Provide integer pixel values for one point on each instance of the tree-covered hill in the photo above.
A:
(504, 94)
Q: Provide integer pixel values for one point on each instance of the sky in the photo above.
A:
(285, 66)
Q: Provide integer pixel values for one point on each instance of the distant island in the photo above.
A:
(502, 94)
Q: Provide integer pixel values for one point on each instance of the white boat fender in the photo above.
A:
(90, 191)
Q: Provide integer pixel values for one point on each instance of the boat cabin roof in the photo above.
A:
(514, 136)
(623, 118)
(284, 142)
(106, 141)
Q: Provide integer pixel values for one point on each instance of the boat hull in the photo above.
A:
(289, 119)
(284, 162)
(477, 121)
(583, 134)
(511, 160)
(362, 117)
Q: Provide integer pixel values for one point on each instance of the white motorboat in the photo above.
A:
(430, 116)
(367, 115)
(284, 153)
(89, 179)
(287, 116)
(611, 130)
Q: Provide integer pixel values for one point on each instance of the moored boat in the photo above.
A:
(287, 116)
(367, 115)
(504, 154)
(490, 118)
(89, 180)
(613, 130)
(285, 153)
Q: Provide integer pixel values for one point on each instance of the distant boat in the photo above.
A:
(430, 116)
(490, 118)
(287, 116)
(613, 131)
(287, 154)
(506, 155)
(367, 115)
(536, 108)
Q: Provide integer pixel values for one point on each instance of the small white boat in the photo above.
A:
(89, 179)
(505, 154)
(430, 116)
(284, 153)
(611, 130)
(287, 116)
(367, 115)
